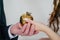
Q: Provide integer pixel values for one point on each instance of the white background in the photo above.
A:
(40, 10)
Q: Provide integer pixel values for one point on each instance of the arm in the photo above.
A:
(41, 27)
(3, 27)
(51, 34)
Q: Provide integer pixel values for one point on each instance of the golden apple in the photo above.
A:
(26, 15)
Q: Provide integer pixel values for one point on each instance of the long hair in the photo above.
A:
(53, 20)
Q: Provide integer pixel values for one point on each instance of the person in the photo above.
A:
(11, 32)
(53, 30)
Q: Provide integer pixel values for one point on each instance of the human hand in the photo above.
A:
(25, 30)
(38, 26)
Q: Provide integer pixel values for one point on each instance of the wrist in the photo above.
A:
(10, 33)
(43, 27)
(47, 30)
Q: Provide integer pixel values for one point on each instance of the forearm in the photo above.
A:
(52, 35)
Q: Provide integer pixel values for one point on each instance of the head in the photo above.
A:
(55, 15)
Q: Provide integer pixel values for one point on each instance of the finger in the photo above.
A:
(32, 29)
(36, 32)
(30, 21)
(37, 25)
(33, 23)
(24, 28)
(27, 29)
(20, 26)
(17, 32)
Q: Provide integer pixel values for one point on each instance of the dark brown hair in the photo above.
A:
(54, 16)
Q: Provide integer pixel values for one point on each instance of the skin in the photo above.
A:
(48, 38)
(25, 30)
(41, 27)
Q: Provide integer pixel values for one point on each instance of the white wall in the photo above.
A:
(40, 10)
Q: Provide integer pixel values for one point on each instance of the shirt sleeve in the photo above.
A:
(10, 35)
